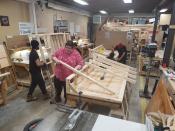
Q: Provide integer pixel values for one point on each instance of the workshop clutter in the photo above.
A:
(160, 122)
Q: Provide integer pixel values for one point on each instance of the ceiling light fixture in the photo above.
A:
(131, 11)
(81, 2)
(127, 1)
(163, 10)
(103, 12)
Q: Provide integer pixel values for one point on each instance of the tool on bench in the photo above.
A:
(73, 119)
(102, 78)
(75, 116)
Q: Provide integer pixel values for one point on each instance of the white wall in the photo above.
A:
(45, 19)
(17, 12)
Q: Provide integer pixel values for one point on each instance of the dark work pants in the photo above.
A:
(37, 79)
(123, 61)
(59, 85)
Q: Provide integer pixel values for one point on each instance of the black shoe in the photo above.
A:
(46, 96)
(58, 98)
(31, 98)
(65, 100)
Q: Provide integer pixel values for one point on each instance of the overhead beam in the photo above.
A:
(62, 7)
(155, 24)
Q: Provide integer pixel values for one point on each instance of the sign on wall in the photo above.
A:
(25, 28)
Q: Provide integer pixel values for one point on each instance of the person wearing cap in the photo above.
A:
(70, 56)
(35, 70)
(122, 53)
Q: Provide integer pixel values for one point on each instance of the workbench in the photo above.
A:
(56, 121)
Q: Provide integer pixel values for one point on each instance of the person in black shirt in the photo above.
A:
(122, 53)
(35, 70)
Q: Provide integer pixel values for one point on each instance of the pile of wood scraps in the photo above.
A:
(159, 119)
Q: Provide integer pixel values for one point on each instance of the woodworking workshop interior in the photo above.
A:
(87, 65)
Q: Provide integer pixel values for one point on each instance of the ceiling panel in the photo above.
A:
(116, 6)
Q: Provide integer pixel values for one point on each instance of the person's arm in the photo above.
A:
(123, 54)
(37, 60)
(119, 59)
(56, 55)
(79, 61)
(39, 63)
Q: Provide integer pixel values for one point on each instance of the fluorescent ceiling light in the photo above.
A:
(127, 1)
(81, 2)
(131, 11)
(103, 12)
(163, 10)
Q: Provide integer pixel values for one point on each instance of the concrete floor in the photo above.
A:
(17, 113)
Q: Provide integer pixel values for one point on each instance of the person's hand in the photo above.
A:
(78, 67)
(42, 62)
(56, 60)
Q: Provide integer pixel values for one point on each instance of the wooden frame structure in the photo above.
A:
(110, 92)
(7, 66)
(103, 82)
(124, 71)
(50, 42)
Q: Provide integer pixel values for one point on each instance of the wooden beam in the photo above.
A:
(5, 74)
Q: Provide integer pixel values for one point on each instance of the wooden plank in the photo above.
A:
(160, 100)
(4, 74)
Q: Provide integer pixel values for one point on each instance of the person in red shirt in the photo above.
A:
(70, 56)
